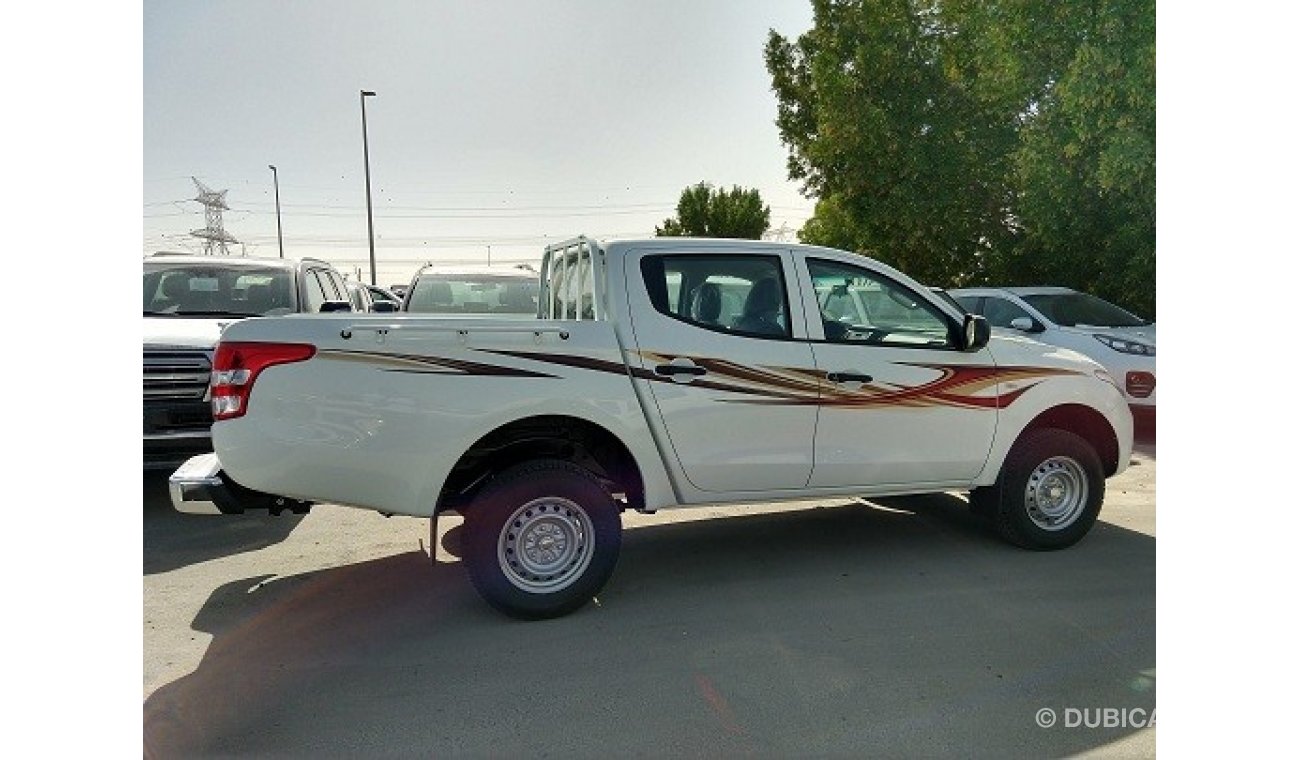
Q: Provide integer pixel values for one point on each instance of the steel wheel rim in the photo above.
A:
(545, 545)
(1057, 493)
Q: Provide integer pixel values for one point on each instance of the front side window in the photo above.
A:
(861, 306)
(740, 294)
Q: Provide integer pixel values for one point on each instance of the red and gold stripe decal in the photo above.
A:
(957, 385)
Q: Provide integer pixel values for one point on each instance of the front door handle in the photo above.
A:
(848, 377)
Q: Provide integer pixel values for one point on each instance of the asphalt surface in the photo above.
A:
(836, 628)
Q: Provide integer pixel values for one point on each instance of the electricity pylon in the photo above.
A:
(214, 235)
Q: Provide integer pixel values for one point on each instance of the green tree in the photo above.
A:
(703, 211)
(1085, 166)
(969, 141)
(888, 128)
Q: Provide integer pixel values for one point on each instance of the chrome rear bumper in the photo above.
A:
(199, 487)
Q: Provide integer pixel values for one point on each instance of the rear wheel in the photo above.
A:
(1049, 492)
(541, 539)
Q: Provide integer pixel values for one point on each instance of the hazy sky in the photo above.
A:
(504, 123)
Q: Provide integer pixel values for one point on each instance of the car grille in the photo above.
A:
(176, 375)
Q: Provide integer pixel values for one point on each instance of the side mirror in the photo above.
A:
(333, 306)
(1026, 324)
(384, 306)
(975, 333)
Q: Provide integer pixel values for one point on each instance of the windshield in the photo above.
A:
(947, 298)
(473, 294)
(202, 289)
(1074, 309)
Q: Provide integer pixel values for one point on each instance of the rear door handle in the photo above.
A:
(680, 369)
(848, 377)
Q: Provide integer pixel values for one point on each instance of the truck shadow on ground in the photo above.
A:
(173, 540)
(899, 627)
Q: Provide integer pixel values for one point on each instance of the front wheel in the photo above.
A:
(541, 539)
(1049, 492)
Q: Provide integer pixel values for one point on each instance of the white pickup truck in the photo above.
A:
(659, 373)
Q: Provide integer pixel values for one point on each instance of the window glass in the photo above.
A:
(213, 289)
(861, 306)
(947, 298)
(999, 311)
(315, 294)
(737, 294)
(970, 304)
(674, 282)
(436, 293)
(1075, 309)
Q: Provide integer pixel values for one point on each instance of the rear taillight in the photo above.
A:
(236, 366)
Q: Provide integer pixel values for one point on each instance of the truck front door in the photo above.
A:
(729, 369)
(900, 404)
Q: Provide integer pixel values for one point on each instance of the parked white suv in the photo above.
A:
(1123, 343)
(501, 291)
(188, 301)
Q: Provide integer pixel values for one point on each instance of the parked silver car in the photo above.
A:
(1122, 342)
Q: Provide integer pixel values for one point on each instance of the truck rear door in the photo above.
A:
(727, 364)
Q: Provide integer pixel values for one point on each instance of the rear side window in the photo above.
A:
(740, 294)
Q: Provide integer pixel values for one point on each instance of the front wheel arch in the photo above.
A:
(1049, 492)
(1085, 422)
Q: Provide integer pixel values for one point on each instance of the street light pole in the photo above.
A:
(279, 231)
(370, 217)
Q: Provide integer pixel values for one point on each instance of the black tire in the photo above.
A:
(565, 526)
(1054, 461)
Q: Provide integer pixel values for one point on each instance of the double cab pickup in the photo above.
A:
(658, 374)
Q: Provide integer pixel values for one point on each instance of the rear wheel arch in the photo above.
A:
(582, 442)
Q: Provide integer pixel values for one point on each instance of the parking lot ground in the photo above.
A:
(896, 627)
